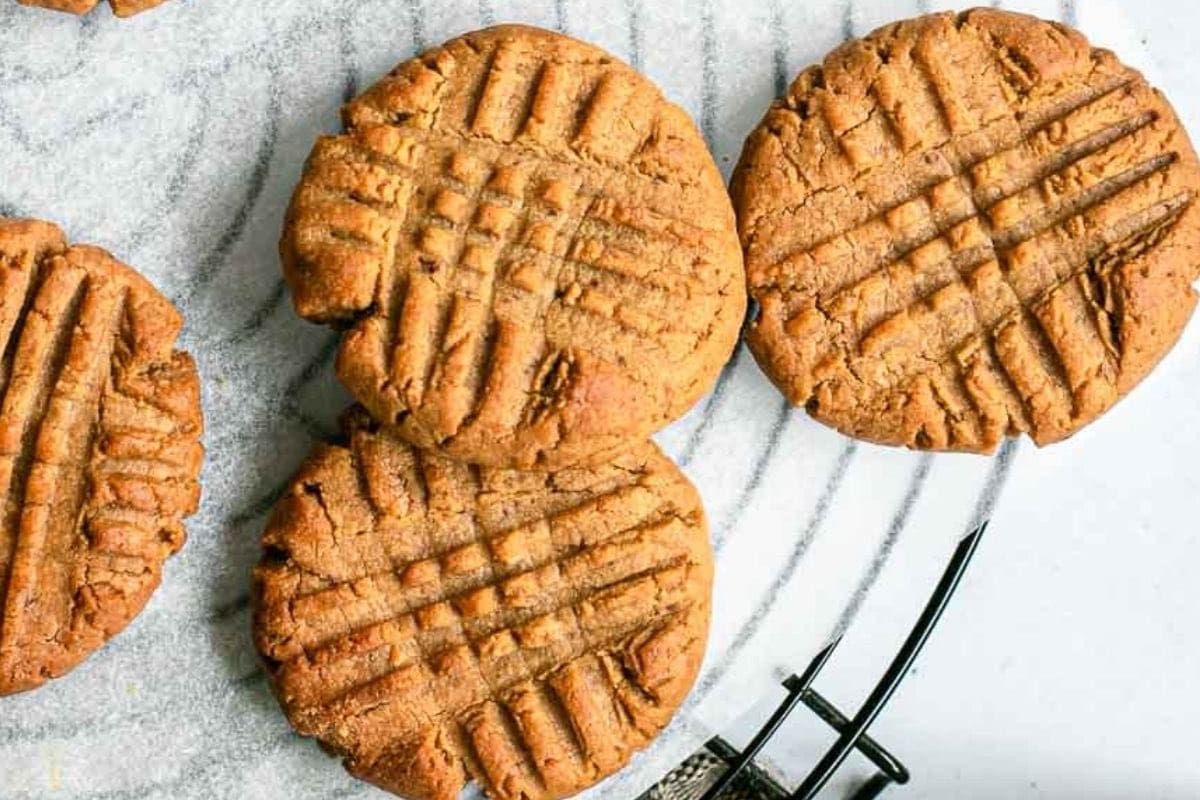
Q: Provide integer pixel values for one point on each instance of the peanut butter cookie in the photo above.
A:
(532, 250)
(99, 448)
(962, 227)
(433, 622)
(122, 8)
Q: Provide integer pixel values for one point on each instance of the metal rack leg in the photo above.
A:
(885, 762)
(895, 672)
(852, 732)
(772, 724)
(873, 787)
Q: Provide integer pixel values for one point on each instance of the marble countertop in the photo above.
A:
(1064, 665)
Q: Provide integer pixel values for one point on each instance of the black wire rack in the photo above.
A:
(722, 772)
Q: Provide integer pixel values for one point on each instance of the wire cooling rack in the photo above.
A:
(222, 123)
(722, 772)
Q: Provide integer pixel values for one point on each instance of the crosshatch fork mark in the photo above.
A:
(552, 589)
(978, 279)
(496, 258)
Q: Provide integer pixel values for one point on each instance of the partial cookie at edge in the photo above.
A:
(122, 8)
(99, 449)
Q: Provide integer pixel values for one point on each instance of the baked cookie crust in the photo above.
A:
(533, 251)
(433, 622)
(100, 424)
(967, 226)
(122, 8)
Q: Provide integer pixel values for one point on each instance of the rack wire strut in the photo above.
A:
(852, 733)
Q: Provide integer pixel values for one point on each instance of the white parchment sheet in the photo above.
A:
(174, 139)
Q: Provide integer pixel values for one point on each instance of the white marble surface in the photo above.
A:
(1063, 667)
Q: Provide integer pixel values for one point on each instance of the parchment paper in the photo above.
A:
(174, 139)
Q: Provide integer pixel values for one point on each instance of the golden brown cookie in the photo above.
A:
(533, 251)
(966, 226)
(122, 8)
(99, 448)
(433, 622)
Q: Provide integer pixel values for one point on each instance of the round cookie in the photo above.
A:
(533, 251)
(967, 226)
(122, 8)
(433, 622)
(99, 448)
